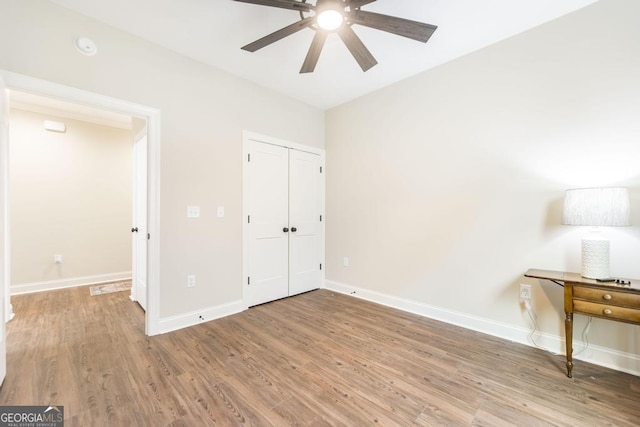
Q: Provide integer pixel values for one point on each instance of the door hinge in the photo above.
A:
(248, 280)
(320, 218)
(320, 266)
(148, 236)
(248, 219)
(249, 157)
(320, 169)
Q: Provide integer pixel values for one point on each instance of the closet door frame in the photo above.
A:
(247, 138)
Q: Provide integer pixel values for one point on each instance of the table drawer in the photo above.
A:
(608, 311)
(606, 296)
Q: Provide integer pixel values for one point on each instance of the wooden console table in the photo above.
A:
(606, 300)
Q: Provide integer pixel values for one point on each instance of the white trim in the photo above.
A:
(252, 136)
(613, 359)
(173, 323)
(247, 137)
(14, 81)
(111, 120)
(5, 264)
(49, 285)
(4, 228)
(152, 326)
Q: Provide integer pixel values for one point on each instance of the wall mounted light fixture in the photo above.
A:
(54, 126)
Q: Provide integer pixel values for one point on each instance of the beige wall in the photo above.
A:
(70, 194)
(444, 188)
(203, 113)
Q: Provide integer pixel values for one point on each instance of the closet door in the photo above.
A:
(304, 222)
(268, 235)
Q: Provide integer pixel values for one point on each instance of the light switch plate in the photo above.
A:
(220, 211)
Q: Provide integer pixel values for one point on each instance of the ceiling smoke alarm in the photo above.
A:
(86, 46)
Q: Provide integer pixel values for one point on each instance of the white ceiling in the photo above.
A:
(212, 31)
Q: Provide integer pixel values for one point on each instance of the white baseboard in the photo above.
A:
(49, 285)
(174, 323)
(603, 356)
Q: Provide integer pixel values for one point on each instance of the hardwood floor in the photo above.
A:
(316, 359)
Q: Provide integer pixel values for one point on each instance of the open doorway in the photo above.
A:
(72, 182)
(21, 83)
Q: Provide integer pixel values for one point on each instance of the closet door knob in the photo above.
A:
(285, 230)
(293, 229)
(134, 230)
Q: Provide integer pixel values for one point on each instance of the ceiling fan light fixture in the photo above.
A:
(330, 19)
(338, 16)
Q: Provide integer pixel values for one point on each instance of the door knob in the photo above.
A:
(286, 230)
(293, 229)
(134, 230)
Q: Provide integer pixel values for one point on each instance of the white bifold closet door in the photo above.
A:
(284, 222)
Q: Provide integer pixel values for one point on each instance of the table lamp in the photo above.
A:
(596, 207)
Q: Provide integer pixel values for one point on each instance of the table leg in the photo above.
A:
(568, 333)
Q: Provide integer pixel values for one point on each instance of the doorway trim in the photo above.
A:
(19, 82)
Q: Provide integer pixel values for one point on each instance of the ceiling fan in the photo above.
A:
(326, 16)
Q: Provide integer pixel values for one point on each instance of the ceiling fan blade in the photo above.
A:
(357, 48)
(284, 4)
(277, 35)
(357, 3)
(314, 52)
(391, 24)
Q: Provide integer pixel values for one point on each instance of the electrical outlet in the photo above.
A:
(345, 262)
(57, 259)
(525, 292)
(191, 281)
(193, 211)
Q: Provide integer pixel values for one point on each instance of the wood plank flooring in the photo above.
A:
(316, 359)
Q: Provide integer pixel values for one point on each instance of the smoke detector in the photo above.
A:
(86, 46)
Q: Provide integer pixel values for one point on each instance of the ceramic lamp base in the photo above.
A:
(595, 258)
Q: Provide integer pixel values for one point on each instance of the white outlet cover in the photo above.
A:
(193, 211)
(191, 281)
(220, 211)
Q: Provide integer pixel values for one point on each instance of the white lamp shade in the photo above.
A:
(607, 207)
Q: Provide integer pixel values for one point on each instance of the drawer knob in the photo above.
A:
(607, 311)
(607, 297)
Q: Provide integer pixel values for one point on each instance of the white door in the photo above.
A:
(267, 223)
(4, 266)
(139, 229)
(304, 220)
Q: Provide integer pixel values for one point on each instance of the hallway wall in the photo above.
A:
(70, 194)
